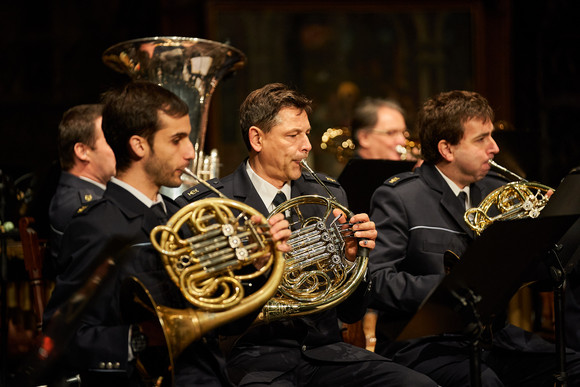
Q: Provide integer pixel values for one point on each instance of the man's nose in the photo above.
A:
(306, 146)
(494, 147)
(189, 152)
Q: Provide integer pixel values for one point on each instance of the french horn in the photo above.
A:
(317, 275)
(207, 262)
(515, 200)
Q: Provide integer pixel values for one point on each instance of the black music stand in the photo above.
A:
(487, 276)
(361, 177)
(562, 258)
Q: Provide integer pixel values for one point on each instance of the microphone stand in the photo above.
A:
(558, 275)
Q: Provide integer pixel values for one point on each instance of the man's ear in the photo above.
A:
(363, 138)
(138, 146)
(81, 151)
(256, 137)
(446, 150)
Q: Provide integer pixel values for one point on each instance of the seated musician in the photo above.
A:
(87, 163)
(308, 350)
(419, 215)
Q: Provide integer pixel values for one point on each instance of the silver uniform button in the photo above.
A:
(303, 348)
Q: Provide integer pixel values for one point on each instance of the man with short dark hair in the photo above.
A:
(419, 216)
(87, 164)
(307, 350)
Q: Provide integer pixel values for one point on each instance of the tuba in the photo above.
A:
(515, 200)
(189, 67)
(317, 275)
(205, 264)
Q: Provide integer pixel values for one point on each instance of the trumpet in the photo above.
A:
(515, 200)
(317, 275)
(205, 266)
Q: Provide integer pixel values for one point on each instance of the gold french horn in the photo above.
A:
(317, 275)
(515, 200)
(205, 266)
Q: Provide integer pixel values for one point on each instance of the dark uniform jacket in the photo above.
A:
(267, 351)
(119, 226)
(71, 194)
(418, 218)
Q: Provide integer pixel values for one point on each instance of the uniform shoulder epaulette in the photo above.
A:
(324, 178)
(200, 191)
(85, 208)
(401, 177)
(86, 197)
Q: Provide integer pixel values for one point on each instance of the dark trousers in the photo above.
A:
(309, 372)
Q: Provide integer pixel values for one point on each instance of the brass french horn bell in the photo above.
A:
(515, 200)
(316, 275)
(203, 247)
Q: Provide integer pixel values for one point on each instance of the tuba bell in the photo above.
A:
(515, 200)
(207, 252)
(317, 275)
(189, 67)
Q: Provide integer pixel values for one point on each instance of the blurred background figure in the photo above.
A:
(378, 129)
(87, 163)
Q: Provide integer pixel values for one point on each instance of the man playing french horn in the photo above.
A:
(148, 129)
(419, 216)
(305, 350)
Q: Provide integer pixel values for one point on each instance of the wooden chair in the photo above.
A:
(33, 250)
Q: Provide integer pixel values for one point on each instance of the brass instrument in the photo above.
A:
(515, 200)
(189, 67)
(317, 275)
(205, 267)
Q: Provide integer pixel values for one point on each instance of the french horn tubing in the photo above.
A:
(204, 262)
(317, 275)
(515, 200)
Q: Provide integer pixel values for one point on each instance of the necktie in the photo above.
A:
(159, 212)
(279, 199)
(462, 197)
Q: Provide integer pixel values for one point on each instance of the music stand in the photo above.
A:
(488, 274)
(361, 177)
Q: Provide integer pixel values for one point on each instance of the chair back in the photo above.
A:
(33, 250)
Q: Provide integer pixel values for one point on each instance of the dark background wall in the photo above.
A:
(524, 57)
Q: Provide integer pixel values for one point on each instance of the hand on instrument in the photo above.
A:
(279, 231)
(364, 230)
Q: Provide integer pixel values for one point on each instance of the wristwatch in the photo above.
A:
(138, 339)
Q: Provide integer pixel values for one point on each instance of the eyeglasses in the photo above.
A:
(390, 132)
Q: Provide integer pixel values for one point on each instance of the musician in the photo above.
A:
(419, 215)
(301, 351)
(87, 164)
(148, 128)
(378, 127)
